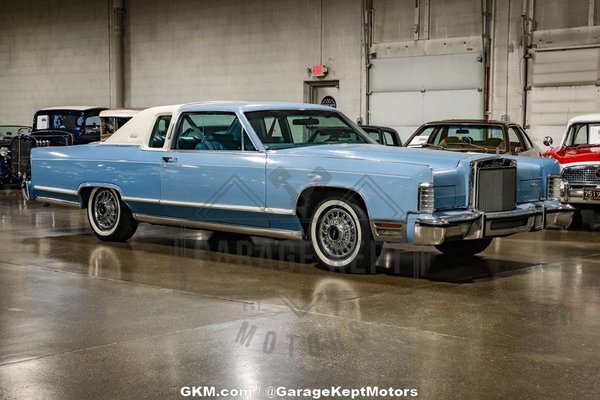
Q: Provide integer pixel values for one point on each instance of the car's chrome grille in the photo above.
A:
(496, 185)
(21, 156)
(586, 174)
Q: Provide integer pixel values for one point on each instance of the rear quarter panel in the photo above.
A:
(132, 171)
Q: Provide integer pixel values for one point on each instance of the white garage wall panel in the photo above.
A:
(550, 108)
(191, 50)
(563, 86)
(52, 53)
(408, 91)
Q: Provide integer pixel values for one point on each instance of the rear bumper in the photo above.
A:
(472, 225)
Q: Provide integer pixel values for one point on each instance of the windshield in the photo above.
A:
(460, 137)
(583, 134)
(70, 121)
(11, 131)
(295, 128)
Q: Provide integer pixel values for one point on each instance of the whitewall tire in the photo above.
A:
(340, 235)
(110, 219)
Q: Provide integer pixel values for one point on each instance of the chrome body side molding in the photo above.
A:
(221, 227)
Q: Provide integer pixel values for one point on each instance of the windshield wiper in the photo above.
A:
(477, 146)
(435, 146)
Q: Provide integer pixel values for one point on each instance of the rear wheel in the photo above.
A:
(110, 218)
(341, 237)
(465, 247)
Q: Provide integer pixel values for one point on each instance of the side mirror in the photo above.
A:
(548, 141)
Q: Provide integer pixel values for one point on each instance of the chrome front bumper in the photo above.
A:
(477, 225)
(574, 195)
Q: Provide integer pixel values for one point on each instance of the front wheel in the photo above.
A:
(110, 219)
(464, 247)
(341, 238)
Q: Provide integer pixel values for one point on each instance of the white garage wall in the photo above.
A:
(563, 85)
(409, 91)
(190, 50)
(52, 53)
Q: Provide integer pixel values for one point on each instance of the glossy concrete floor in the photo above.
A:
(82, 319)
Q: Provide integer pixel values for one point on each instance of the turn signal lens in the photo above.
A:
(554, 185)
(426, 198)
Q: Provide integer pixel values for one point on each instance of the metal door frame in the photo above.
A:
(311, 86)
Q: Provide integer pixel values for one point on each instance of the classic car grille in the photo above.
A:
(20, 149)
(586, 174)
(496, 185)
(53, 140)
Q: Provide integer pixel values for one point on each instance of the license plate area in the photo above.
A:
(591, 194)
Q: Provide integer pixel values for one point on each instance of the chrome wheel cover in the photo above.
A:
(106, 210)
(337, 233)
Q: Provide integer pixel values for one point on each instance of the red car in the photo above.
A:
(579, 158)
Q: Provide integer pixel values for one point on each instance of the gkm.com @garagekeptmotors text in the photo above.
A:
(277, 392)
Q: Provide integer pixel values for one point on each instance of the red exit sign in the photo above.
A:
(318, 70)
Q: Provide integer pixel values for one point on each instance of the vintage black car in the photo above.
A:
(8, 133)
(383, 135)
(55, 126)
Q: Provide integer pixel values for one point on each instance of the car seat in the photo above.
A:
(210, 142)
(449, 140)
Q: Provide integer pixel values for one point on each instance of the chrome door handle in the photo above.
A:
(169, 159)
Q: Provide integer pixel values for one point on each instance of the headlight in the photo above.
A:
(426, 198)
(554, 187)
(4, 151)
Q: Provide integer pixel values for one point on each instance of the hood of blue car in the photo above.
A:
(436, 159)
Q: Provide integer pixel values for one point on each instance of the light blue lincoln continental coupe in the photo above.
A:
(295, 171)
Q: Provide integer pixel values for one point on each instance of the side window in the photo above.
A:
(515, 140)
(374, 134)
(216, 131)
(389, 138)
(526, 138)
(594, 134)
(92, 125)
(159, 132)
(580, 134)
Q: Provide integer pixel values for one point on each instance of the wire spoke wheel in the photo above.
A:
(106, 210)
(337, 233)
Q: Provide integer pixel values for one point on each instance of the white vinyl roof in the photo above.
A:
(77, 108)
(120, 112)
(138, 129)
(585, 118)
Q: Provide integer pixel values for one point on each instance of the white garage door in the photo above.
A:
(563, 85)
(408, 91)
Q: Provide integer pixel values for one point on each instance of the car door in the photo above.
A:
(213, 173)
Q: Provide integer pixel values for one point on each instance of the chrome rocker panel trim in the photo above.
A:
(220, 227)
(58, 202)
(56, 190)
